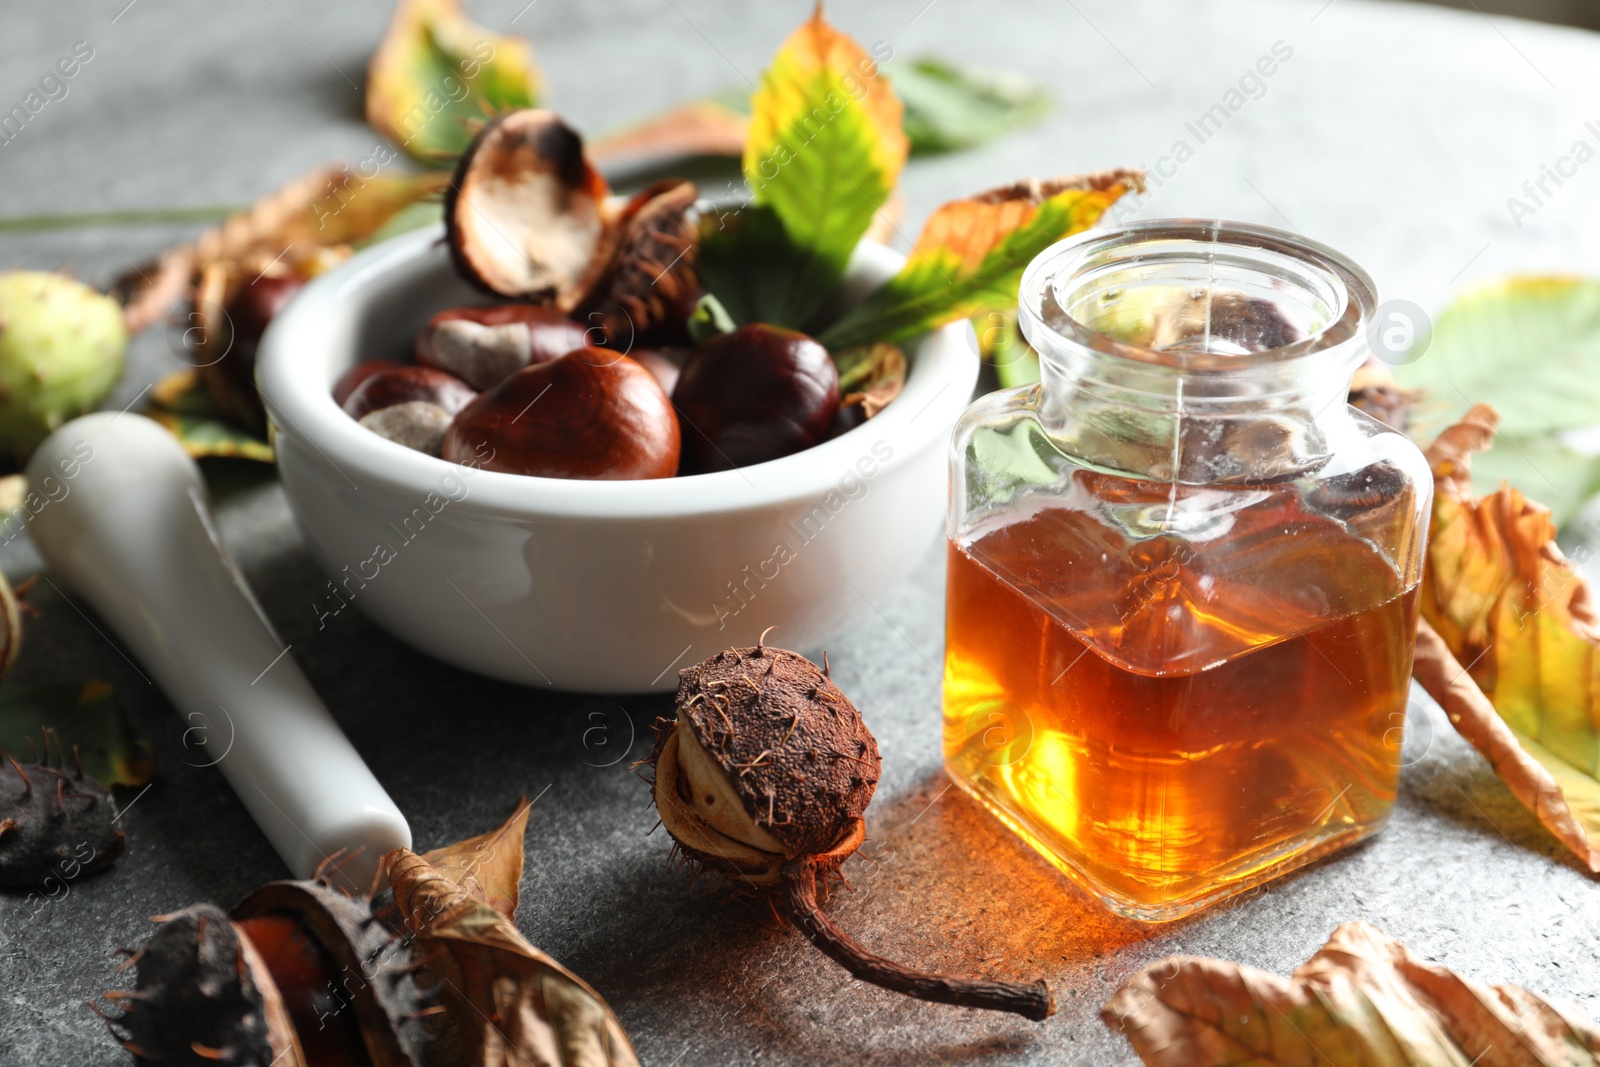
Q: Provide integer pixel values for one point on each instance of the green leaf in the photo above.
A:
(751, 265)
(1531, 347)
(971, 253)
(86, 716)
(950, 106)
(824, 150)
(181, 404)
(435, 74)
(1000, 343)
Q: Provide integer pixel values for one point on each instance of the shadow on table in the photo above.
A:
(939, 885)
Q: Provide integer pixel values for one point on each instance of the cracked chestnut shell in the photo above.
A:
(525, 212)
(756, 394)
(486, 345)
(590, 414)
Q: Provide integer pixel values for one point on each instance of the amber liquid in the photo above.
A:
(1174, 719)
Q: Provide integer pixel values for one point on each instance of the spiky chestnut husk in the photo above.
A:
(203, 998)
(249, 989)
(61, 351)
(763, 778)
(652, 284)
(50, 816)
(371, 964)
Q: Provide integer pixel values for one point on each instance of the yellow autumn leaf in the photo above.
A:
(436, 74)
(1508, 604)
(819, 76)
(971, 253)
(824, 150)
(1363, 1000)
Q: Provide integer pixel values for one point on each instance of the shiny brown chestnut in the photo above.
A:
(231, 379)
(356, 375)
(484, 346)
(755, 394)
(665, 368)
(402, 384)
(590, 414)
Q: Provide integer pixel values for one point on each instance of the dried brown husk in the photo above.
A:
(202, 994)
(205, 992)
(763, 779)
(372, 975)
(651, 287)
(50, 813)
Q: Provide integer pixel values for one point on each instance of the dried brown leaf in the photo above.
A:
(698, 128)
(1362, 1001)
(327, 209)
(489, 865)
(871, 376)
(513, 1004)
(1449, 683)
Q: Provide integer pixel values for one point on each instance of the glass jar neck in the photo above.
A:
(1195, 351)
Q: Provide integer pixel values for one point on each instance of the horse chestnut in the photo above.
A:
(356, 375)
(231, 379)
(485, 346)
(400, 384)
(410, 406)
(755, 394)
(590, 414)
(658, 363)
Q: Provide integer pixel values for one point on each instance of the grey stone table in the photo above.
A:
(1395, 132)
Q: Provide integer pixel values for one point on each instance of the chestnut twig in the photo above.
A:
(1032, 1000)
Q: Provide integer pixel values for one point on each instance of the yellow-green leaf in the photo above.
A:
(824, 150)
(181, 404)
(1532, 343)
(1363, 1000)
(1509, 605)
(971, 254)
(87, 718)
(436, 73)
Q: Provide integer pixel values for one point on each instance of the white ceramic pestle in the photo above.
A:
(122, 519)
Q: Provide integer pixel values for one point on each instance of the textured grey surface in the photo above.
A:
(1394, 132)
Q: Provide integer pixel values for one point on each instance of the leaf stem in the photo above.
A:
(132, 217)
